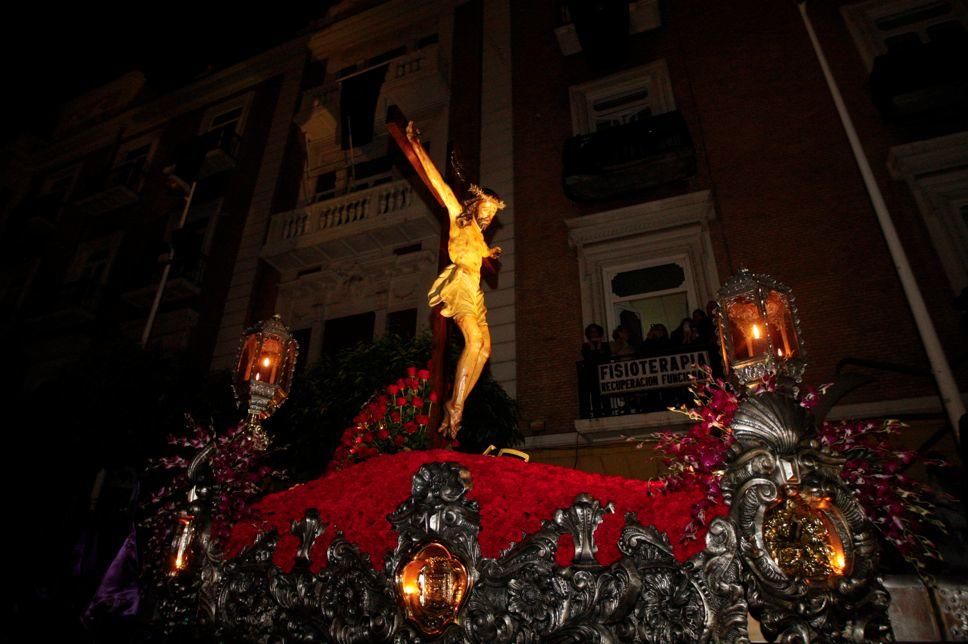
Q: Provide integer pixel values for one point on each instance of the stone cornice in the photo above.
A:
(932, 155)
(376, 23)
(691, 208)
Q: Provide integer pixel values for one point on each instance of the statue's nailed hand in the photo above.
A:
(413, 134)
(495, 252)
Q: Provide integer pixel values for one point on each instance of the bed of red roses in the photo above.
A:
(514, 498)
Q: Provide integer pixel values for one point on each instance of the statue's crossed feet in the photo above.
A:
(450, 424)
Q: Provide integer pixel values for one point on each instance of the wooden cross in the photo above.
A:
(397, 126)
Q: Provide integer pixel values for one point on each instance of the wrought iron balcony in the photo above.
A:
(117, 189)
(923, 78)
(640, 384)
(384, 216)
(629, 158)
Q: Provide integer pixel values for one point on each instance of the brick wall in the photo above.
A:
(788, 196)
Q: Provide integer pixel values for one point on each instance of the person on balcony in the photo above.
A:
(621, 344)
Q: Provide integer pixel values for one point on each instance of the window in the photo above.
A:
(131, 163)
(934, 171)
(231, 119)
(650, 293)
(302, 337)
(92, 264)
(882, 26)
(229, 116)
(651, 263)
(346, 332)
(402, 323)
(621, 98)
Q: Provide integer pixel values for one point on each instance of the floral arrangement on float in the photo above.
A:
(901, 508)
(238, 473)
(392, 421)
(764, 357)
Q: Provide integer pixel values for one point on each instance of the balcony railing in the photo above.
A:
(117, 189)
(628, 158)
(338, 221)
(643, 383)
(923, 79)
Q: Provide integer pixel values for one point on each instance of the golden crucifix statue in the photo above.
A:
(458, 287)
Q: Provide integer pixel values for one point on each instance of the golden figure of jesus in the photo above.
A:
(458, 287)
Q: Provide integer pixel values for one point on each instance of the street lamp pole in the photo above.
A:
(940, 368)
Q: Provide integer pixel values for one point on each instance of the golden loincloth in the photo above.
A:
(460, 293)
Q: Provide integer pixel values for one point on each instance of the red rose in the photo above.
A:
(422, 420)
(433, 396)
(418, 402)
(383, 434)
(423, 374)
(395, 416)
(411, 372)
(401, 401)
(393, 389)
(398, 440)
(410, 428)
(401, 384)
(368, 437)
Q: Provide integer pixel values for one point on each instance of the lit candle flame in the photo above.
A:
(779, 353)
(838, 562)
(266, 361)
(756, 332)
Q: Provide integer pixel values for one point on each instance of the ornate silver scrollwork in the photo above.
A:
(520, 596)
(523, 595)
(777, 457)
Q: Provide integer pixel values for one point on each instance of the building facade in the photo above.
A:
(646, 151)
(97, 209)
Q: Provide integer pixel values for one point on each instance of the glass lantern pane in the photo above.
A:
(782, 330)
(270, 359)
(247, 356)
(748, 332)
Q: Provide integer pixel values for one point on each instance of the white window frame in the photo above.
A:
(111, 243)
(654, 77)
(212, 113)
(610, 299)
(645, 234)
(935, 172)
(861, 19)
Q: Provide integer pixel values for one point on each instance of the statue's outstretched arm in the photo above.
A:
(436, 181)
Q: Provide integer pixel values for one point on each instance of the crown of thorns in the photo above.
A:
(481, 193)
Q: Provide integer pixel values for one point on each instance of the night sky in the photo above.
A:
(54, 52)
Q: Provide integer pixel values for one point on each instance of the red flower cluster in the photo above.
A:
(390, 422)
(514, 496)
(697, 459)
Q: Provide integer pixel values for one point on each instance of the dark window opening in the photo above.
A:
(346, 332)
(357, 106)
(303, 337)
(406, 250)
(432, 39)
(402, 324)
(648, 280)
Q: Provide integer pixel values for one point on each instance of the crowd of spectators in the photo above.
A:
(696, 332)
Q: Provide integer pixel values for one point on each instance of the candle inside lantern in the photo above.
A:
(181, 545)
